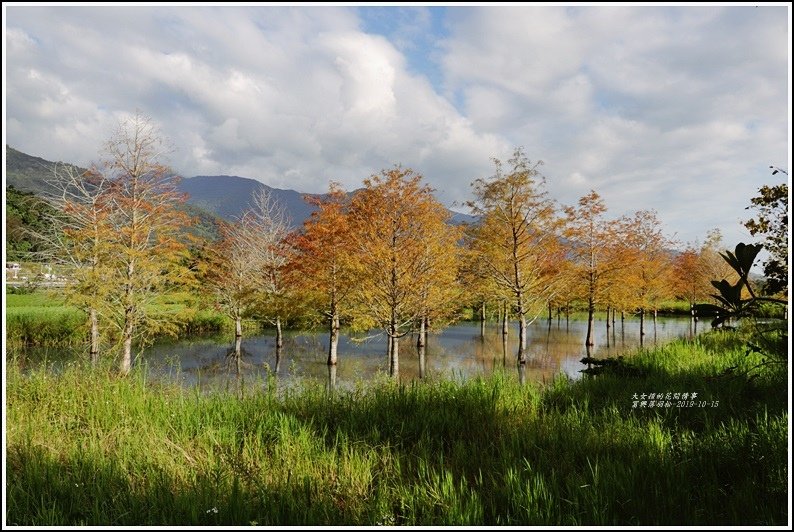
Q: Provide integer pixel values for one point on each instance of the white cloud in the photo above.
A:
(293, 97)
(681, 109)
(677, 109)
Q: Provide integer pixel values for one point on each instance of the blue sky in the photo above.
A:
(678, 109)
(416, 31)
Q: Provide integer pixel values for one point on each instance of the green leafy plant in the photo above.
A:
(770, 336)
(732, 304)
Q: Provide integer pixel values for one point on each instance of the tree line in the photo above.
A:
(386, 258)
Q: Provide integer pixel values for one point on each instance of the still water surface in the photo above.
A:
(458, 352)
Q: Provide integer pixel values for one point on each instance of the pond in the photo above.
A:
(458, 352)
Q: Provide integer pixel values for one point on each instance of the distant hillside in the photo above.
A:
(26, 183)
(229, 196)
(224, 196)
(25, 212)
(28, 173)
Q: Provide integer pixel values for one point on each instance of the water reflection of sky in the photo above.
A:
(458, 352)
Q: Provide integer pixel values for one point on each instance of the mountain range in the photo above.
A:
(223, 196)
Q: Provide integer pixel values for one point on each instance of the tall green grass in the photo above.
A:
(88, 448)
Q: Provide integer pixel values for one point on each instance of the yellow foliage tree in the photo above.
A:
(517, 238)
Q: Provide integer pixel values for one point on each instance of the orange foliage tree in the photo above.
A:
(147, 252)
(324, 268)
(648, 273)
(696, 266)
(595, 253)
(405, 248)
(78, 235)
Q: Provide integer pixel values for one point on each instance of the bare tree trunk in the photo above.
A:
(422, 363)
(238, 326)
(550, 312)
(505, 320)
(421, 341)
(278, 359)
(92, 315)
(279, 336)
(482, 320)
(522, 333)
(394, 365)
(331, 378)
(608, 309)
(334, 339)
(238, 355)
(126, 355)
(126, 336)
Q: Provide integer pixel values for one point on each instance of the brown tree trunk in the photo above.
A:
(522, 333)
(590, 309)
(642, 322)
(590, 318)
(238, 326)
(608, 309)
(422, 340)
(278, 359)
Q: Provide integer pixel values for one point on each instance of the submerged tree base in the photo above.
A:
(86, 448)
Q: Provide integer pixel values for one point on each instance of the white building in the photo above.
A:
(12, 269)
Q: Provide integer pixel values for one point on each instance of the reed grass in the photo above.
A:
(85, 447)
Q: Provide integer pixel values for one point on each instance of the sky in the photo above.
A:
(678, 109)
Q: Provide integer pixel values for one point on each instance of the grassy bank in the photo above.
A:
(88, 448)
(43, 318)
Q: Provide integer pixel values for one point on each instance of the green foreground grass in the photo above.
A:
(88, 448)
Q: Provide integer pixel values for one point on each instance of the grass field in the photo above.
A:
(88, 448)
(43, 318)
